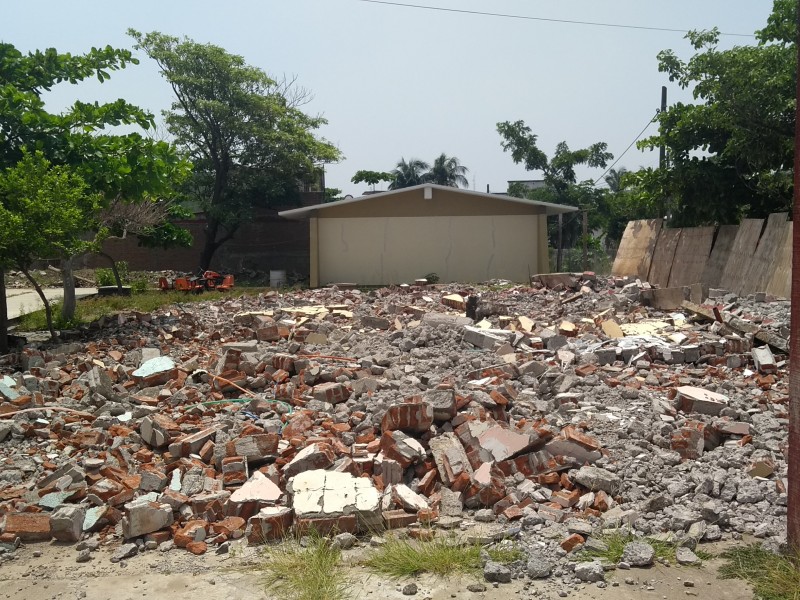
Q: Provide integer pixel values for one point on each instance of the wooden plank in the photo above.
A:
(636, 248)
(758, 273)
(780, 281)
(691, 256)
(663, 257)
(715, 266)
(744, 247)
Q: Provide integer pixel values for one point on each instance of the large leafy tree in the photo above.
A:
(730, 152)
(250, 143)
(561, 184)
(447, 170)
(124, 167)
(408, 173)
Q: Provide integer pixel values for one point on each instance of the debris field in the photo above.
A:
(560, 412)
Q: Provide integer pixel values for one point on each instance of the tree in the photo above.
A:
(730, 153)
(561, 185)
(250, 143)
(407, 174)
(447, 170)
(44, 212)
(125, 166)
(372, 178)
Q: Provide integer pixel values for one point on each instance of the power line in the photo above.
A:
(543, 19)
(636, 139)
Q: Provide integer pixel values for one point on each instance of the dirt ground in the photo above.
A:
(48, 571)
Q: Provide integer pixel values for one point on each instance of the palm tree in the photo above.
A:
(408, 173)
(614, 179)
(447, 170)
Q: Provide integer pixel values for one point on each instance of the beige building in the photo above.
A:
(398, 236)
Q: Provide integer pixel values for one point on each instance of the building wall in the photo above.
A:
(266, 243)
(381, 250)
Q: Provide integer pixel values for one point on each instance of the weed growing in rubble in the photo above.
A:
(615, 546)
(439, 556)
(772, 577)
(311, 573)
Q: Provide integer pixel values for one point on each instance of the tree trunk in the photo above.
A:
(114, 269)
(68, 304)
(212, 244)
(48, 311)
(3, 314)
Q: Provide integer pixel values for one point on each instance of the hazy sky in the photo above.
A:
(405, 82)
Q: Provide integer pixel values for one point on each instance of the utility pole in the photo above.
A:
(662, 151)
(793, 493)
(560, 238)
(585, 240)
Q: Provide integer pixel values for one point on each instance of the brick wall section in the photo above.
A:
(266, 243)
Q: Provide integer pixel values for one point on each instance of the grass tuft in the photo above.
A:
(440, 556)
(615, 547)
(310, 573)
(772, 577)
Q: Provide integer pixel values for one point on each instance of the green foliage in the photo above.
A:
(730, 153)
(441, 556)
(408, 174)
(105, 277)
(37, 320)
(139, 285)
(561, 185)
(772, 577)
(432, 278)
(332, 194)
(250, 143)
(372, 178)
(43, 212)
(615, 546)
(311, 573)
(447, 170)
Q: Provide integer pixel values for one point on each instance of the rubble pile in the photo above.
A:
(558, 412)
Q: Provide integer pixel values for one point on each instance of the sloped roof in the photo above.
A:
(549, 208)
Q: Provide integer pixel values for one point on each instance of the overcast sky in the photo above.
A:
(407, 82)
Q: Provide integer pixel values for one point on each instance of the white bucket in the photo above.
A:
(277, 279)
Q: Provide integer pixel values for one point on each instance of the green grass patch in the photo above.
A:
(615, 546)
(772, 577)
(441, 556)
(91, 309)
(311, 573)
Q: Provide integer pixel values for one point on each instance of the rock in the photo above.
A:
(539, 567)
(495, 572)
(345, 541)
(590, 572)
(83, 556)
(144, 516)
(476, 588)
(125, 551)
(685, 556)
(66, 523)
(749, 492)
(595, 478)
(410, 589)
(638, 554)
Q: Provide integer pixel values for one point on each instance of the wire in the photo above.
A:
(636, 139)
(544, 19)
